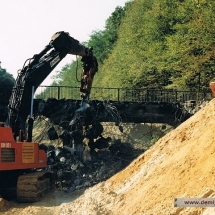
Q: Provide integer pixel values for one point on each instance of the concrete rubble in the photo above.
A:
(86, 157)
(73, 172)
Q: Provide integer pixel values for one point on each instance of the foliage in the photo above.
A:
(6, 78)
(154, 139)
(163, 44)
(154, 44)
(6, 85)
(103, 41)
(70, 75)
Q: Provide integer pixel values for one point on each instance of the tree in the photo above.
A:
(163, 38)
(103, 41)
(6, 85)
(155, 43)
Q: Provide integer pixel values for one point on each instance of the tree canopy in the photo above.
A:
(5, 78)
(6, 85)
(165, 44)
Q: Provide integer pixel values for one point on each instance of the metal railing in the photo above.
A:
(122, 94)
(115, 94)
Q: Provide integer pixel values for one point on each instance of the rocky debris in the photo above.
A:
(86, 157)
(73, 173)
(113, 111)
(77, 119)
(82, 119)
(193, 106)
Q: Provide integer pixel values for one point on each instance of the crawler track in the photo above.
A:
(31, 187)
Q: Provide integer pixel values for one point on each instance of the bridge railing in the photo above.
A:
(114, 94)
(165, 95)
(57, 92)
(122, 94)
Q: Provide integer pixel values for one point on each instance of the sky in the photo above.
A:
(26, 27)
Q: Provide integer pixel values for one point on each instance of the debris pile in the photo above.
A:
(73, 172)
(86, 157)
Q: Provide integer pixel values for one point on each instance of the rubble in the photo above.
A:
(73, 173)
(87, 157)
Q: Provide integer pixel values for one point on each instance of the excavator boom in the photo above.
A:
(38, 68)
(22, 155)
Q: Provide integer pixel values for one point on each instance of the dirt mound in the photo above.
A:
(181, 164)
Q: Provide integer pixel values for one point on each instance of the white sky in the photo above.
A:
(26, 26)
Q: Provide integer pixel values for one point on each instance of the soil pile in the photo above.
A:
(181, 164)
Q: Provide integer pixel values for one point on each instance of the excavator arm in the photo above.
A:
(36, 69)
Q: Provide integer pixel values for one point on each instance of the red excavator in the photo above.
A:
(22, 162)
(212, 86)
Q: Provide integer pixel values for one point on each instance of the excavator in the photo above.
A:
(23, 164)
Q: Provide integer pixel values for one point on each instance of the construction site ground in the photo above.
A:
(179, 165)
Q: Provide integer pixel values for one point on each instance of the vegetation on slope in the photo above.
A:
(154, 43)
(164, 43)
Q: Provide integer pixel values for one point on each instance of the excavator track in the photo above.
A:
(32, 186)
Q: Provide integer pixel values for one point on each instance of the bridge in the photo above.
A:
(131, 105)
(119, 104)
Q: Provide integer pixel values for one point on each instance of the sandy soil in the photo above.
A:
(181, 164)
(47, 206)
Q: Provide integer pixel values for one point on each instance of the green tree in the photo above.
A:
(155, 44)
(103, 41)
(6, 85)
(70, 74)
(163, 43)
